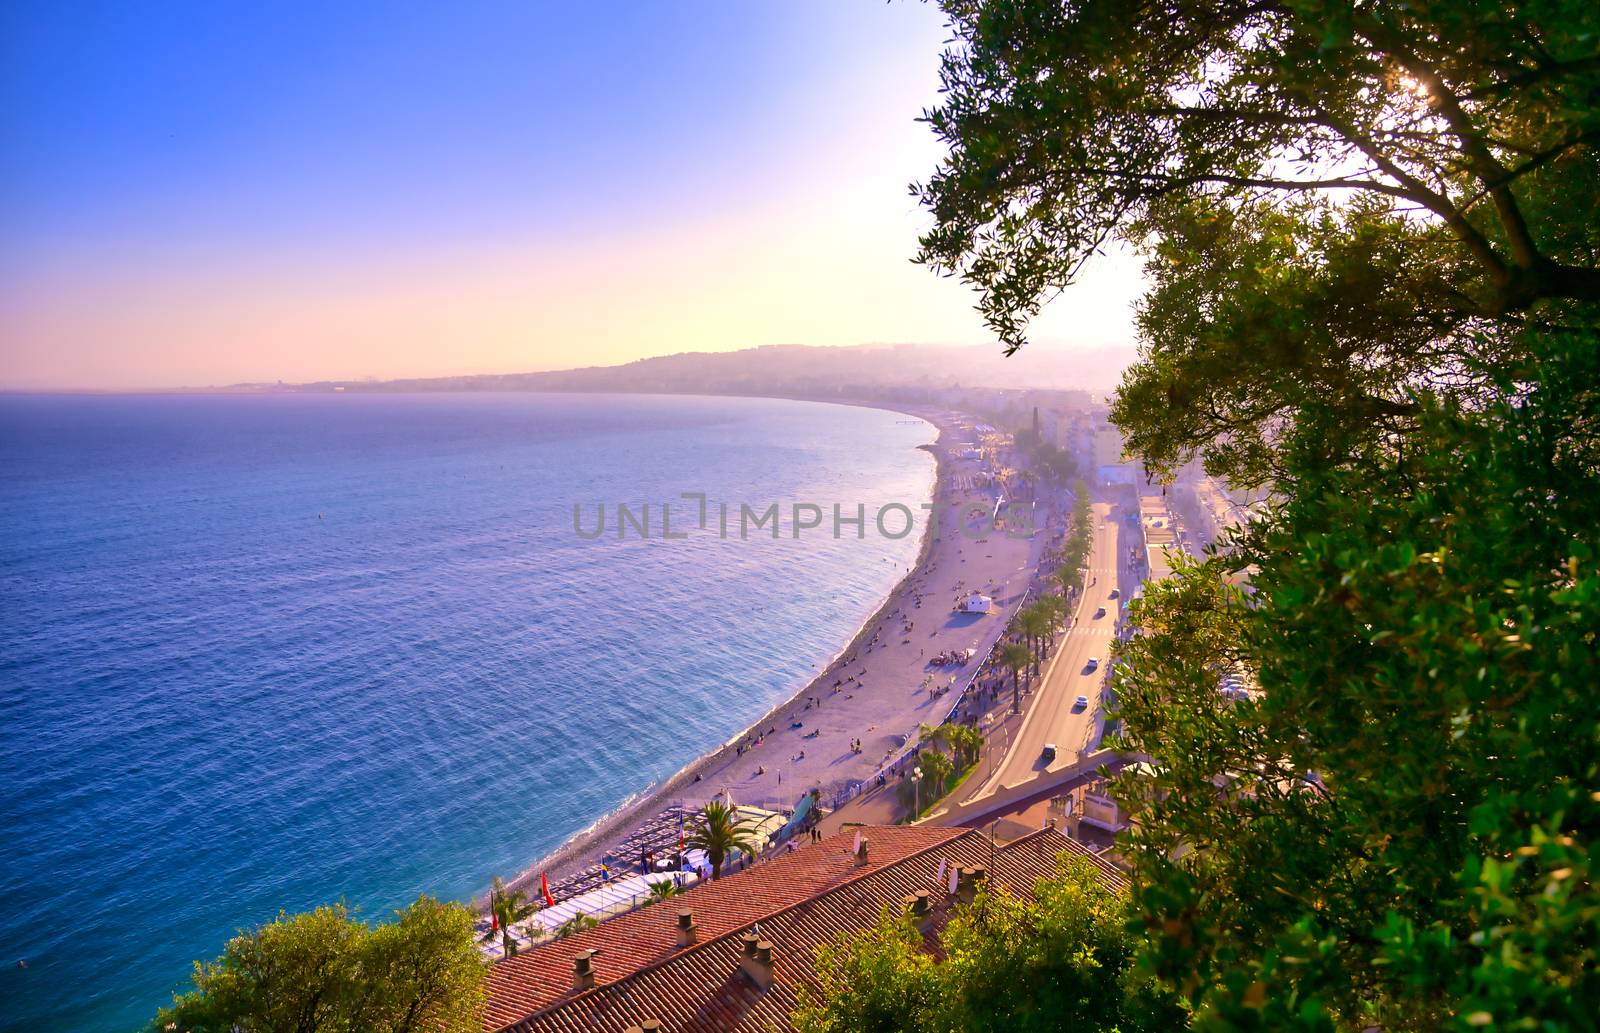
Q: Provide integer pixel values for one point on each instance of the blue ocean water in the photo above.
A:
(274, 651)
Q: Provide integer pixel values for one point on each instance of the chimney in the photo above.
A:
(647, 1026)
(919, 906)
(583, 970)
(687, 932)
(761, 969)
(966, 887)
(861, 853)
(757, 960)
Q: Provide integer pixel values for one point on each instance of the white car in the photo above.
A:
(1094, 663)
(1081, 703)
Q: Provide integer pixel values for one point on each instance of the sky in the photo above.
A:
(212, 193)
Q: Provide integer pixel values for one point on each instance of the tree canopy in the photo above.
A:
(1372, 234)
(1061, 958)
(1340, 201)
(324, 971)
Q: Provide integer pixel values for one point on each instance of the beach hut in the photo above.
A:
(977, 602)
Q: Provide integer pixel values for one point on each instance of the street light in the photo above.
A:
(916, 793)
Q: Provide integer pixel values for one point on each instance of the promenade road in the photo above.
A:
(1054, 716)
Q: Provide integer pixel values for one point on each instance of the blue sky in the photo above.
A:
(202, 193)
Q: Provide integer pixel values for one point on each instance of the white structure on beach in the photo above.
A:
(977, 602)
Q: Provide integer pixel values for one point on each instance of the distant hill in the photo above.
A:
(791, 370)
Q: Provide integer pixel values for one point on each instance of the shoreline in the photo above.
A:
(585, 847)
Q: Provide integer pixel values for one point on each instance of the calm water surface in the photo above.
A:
(263, 652)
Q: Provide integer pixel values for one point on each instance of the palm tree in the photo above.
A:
(1055, 607)
(719, 831)
(965, 744)
(963, 741)
(1015, 655)
(576, 924)
(1036, 625)
(936, 769)
(507, 906)
(662, 890)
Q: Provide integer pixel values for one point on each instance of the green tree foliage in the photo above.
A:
(719, 831)
(575, 925)
(1035, 625)
(1015, 656)
(1372, 253)
(1062, 959)
(665, 889)
(1078, 542)
(918, 793)
(1051, 461)
(325, 972)
(1071, 122)
(1423, 631)
(965, 742)
(940, 772)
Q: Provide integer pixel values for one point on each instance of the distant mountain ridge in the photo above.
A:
(789, 369)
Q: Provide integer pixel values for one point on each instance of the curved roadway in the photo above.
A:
(1054, 716)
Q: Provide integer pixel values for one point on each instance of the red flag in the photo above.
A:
(544, 887)
(494, 922)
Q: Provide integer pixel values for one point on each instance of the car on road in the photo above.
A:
(1094, 663)
(1049, 753)
(1081, 703)
(1101, 612)
(1113, 594)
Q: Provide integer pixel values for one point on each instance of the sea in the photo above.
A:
(263, 652)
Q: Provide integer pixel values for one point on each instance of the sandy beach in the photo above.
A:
(880, 687)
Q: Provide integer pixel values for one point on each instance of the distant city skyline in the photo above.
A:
(195, 195)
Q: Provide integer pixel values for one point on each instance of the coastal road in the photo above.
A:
(1054, 716)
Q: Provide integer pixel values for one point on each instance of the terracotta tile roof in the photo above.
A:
(801, 900)
(539, 976)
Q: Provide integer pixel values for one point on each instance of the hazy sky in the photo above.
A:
(205, 193)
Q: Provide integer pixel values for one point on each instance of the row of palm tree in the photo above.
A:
(963, 741)
(1075, 548)
(934, 770)
(1016, 657)
(1039, 621)
(1035, 624)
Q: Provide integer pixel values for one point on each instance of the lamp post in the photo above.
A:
(916, 793)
